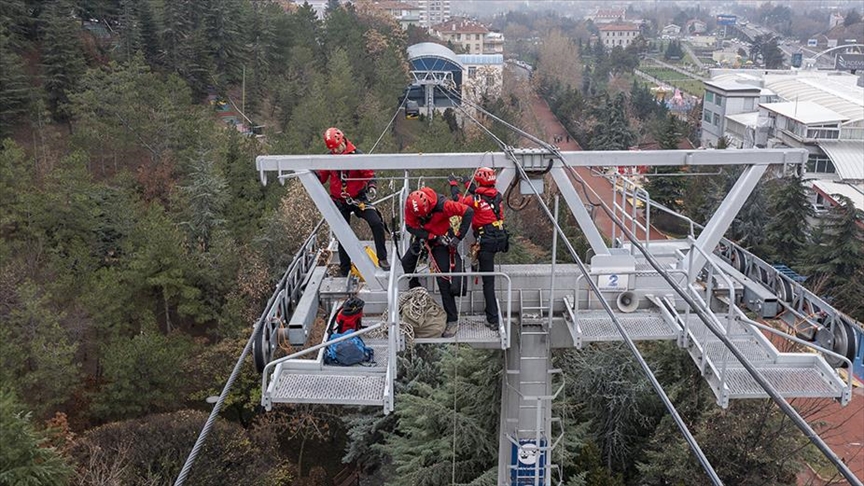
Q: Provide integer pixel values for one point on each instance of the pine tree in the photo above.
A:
(24, 457)
(14, 86)
(130, 29)
(788, 210)
(204, 198)
(837, 256)
(62, 60)
(224, 40)
(612, 131)
(462, 407)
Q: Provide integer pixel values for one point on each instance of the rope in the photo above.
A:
(455, 389)
(412, 305)
(391, 122)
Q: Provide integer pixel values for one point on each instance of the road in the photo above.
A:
(599, 187)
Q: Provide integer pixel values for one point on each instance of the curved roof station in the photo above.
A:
(436, 76)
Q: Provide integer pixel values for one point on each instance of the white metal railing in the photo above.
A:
(265, 392)
(633, 194)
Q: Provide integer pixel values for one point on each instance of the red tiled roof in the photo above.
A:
(618, 27)
(461, 26)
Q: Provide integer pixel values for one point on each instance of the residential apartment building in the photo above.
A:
(433, 12)
(821, 112)
(494, 43)
(482, 76)
(404, 12)
(466, 34)
(618, 34)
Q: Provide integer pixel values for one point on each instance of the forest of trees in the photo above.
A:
(137, 247)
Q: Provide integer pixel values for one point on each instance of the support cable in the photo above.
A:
(205, 431)
(404, 99)
(706, 319)
(694, 446)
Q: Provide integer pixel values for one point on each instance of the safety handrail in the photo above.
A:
(302, 352)
(503, 328)
(303, 254)
(709, 294)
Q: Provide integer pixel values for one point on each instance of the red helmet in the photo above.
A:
(484, 176)
(420, 203)
(334, 138)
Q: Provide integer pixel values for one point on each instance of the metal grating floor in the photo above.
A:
(789, 382)
(642, 325)
(328, 388)
(751, 348)
(472, 329)
(700, 332)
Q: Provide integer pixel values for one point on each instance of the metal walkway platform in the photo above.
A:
(311, 381)
(343, 389)
(472, 330)
(590, 326)
(794, 375)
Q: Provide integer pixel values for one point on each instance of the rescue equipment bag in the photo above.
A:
(419, 310)
(348, 352)
(350, 315)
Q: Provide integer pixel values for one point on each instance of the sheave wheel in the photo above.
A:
(262, 348)
(841, 341)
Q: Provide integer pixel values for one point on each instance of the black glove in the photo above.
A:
(453, 243)
(442, 240)
(371, 192)
(454, 180)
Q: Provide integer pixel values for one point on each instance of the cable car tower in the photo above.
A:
(701, 292)
(692, 291)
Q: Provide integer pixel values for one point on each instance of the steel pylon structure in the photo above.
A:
(700, 291)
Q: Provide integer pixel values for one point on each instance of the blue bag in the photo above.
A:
(348, 352)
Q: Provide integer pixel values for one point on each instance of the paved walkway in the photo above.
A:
(599, 187)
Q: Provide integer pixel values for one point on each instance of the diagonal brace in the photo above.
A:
(725, 214)
(341, 229)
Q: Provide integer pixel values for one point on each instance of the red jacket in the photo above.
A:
(438, 221)
(484, 213)
(356, 182)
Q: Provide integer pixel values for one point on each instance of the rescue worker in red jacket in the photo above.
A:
(427, 218)
(488, 226)
(352, 190)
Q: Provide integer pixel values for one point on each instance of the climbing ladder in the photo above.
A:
(527, 419)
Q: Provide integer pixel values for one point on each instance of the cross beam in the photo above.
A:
(284, 164)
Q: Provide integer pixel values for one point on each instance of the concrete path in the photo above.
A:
(599, 187)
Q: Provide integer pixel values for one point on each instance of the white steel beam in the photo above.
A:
(282, 164)
(342, 230)
(725, 214)
(592, 234)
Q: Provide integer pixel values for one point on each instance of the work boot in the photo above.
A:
(492, 323)
(451, 329)
(384, 265)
